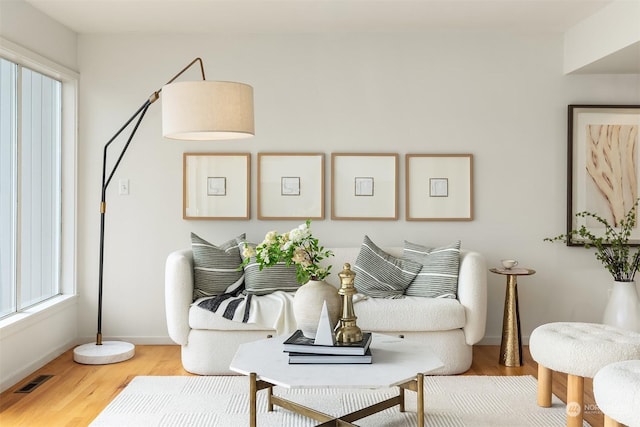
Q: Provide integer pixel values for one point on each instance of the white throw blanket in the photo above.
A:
(274, 310)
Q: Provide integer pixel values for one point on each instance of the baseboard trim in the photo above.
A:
(23, 373)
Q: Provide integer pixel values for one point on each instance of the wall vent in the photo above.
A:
(33, 384)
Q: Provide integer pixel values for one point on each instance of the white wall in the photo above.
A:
(23, 24)
(605, 34)
(34, 338)
(501, 97)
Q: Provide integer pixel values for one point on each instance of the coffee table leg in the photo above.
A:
(401, 399)
(269, 400)
(253, 391)
(420, 392)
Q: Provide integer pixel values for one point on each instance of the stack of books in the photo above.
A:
(302, 350)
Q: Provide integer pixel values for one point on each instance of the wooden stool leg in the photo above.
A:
(575, 400)
(544, 386)
(610, 422)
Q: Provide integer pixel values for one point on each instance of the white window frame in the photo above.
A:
(68, 237)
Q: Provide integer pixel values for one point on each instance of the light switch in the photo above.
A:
(123, 187)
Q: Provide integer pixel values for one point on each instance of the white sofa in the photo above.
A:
(449, 326)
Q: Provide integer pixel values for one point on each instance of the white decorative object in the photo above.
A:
(325, 335)
(623, 308)
(307, 305)
(616, 388)
(106, 353)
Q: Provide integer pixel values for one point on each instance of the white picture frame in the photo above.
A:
(290, 186)
(364, 186)
(439, 187)
(216, 186)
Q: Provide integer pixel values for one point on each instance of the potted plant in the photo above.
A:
(298, 247)
(614, 252)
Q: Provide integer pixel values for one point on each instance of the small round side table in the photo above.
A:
(511, 344)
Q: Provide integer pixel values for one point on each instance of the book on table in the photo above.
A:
(298, 343)
(311, 358)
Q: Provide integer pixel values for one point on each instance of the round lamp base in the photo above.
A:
(108, 352)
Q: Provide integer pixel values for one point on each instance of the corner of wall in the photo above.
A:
(603, 35)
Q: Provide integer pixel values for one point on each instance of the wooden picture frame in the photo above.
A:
(364, 186)
(290, 186)
(216, 186)
(603, 175)
(439, 187)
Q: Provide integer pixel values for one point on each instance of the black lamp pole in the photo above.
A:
(91, 355)
(103, 201)
(106, 181)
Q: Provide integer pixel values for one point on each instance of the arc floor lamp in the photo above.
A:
(191, 110)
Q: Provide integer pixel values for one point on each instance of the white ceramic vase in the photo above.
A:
(623, 308)
(307, 305)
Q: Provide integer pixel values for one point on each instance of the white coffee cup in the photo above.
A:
(508, 264)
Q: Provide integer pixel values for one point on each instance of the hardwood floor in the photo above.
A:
(76, 394)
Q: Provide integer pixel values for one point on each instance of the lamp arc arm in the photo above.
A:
(141, 111)
(106, 180)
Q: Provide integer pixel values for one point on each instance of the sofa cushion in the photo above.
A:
(438, 277)
(381, 275)
(215, 268)
(279, 277)
(409, 314)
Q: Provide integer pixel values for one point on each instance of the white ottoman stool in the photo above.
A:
(580, 350)
(616, 388)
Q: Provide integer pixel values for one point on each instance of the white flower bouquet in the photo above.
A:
(297, 247)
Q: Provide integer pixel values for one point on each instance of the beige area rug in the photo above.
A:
(450, 401)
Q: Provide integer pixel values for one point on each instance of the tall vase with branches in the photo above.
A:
(614, 252)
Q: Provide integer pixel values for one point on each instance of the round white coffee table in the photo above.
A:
(396, 362)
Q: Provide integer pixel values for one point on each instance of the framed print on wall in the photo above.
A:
(216, 185)
(290, 186)
(364, 186)
(603, 176)
(439, 187)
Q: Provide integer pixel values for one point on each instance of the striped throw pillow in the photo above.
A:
(215, 268)
(438, 277)
(279, 277)
(381, 275)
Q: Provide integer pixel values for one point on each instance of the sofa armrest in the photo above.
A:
(472, 294)
(178, 292)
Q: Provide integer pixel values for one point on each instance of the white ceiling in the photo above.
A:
(271, 16)
(313, 16)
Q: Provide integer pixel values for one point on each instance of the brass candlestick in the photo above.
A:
(348, 331)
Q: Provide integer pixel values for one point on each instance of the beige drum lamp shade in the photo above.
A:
(207, 110)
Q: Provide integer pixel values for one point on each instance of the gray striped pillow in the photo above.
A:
(381, 275)
(279, 277)
(438, 277)
(215, 268)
